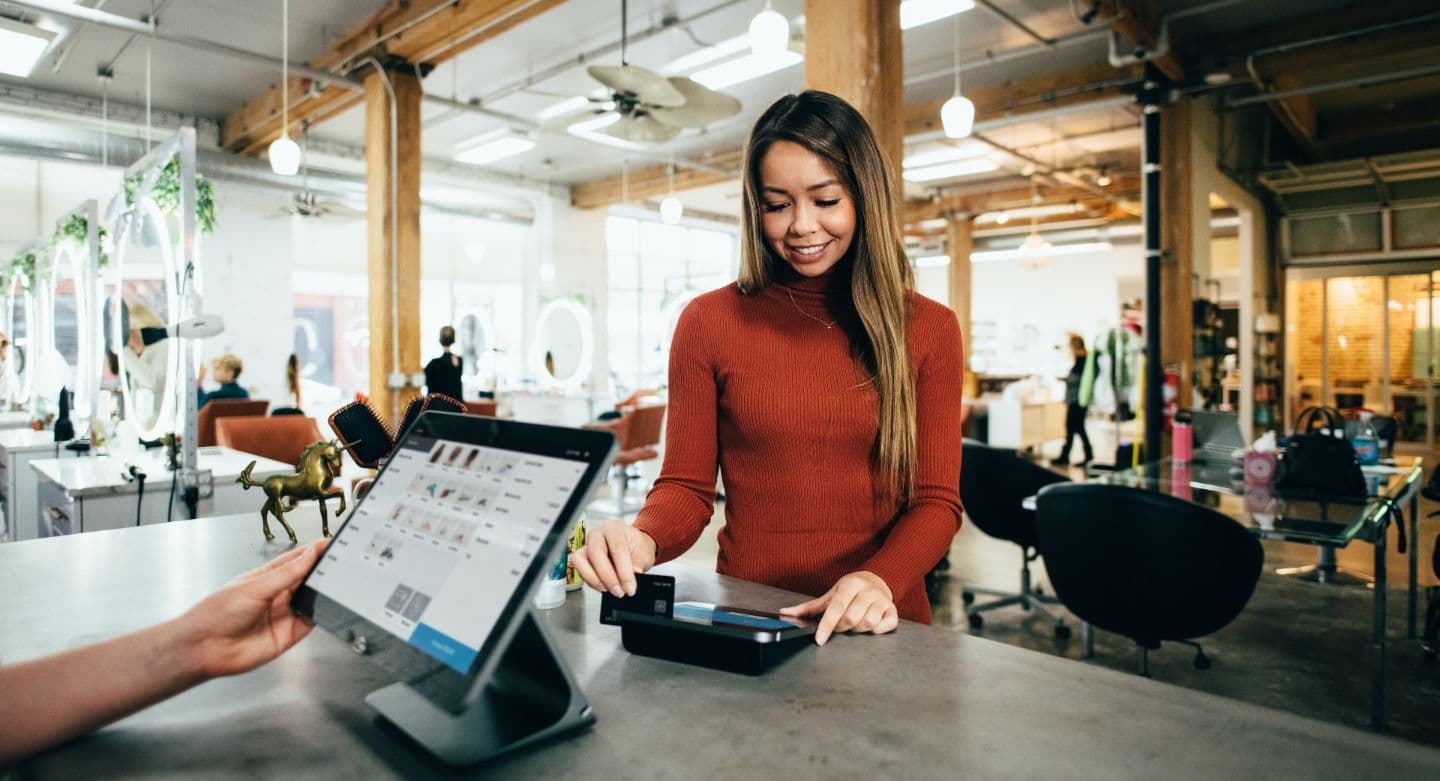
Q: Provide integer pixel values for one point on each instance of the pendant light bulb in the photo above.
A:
(284, 152)
(958, 117)
(671, 210)
(769, 33)
(285, 156)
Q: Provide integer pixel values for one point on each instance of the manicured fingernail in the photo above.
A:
(630, 590)
(617, 592)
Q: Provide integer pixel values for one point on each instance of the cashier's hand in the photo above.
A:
(614, 551)
(249, 621)
(858, 602)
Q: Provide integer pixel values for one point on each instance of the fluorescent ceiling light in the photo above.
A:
(931, 154)
(566, 106)
(592, 125)
(914, 13)
(952, 170)
(986, 256)
(493, 146)
(745, 68)
(699, 59)
(21, 46)
(932, 261)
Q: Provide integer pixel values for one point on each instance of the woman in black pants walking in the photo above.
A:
(1075, 410)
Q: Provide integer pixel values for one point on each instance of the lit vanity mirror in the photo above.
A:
(141, 298)
(564, 345)
(71, 325)
(16, 378)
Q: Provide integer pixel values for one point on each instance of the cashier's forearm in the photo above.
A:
(48, 701)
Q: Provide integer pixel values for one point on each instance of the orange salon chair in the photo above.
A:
(225, 408)
(280, 438)
(638, 429)
(483, 407)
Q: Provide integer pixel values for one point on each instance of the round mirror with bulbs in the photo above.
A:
(72, 350)
(141, 299)
(20, 329)
(564, 348)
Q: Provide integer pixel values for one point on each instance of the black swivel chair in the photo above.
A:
(1145, 565)
(1430, 637)
(993, 483)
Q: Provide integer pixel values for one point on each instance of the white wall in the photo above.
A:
(1033, 307)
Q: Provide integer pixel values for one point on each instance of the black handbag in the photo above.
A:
(1317, 463)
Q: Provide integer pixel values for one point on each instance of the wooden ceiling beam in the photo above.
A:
(1358, 14)
(1085, 84)
(1124, 185)
(1138, 21)
(416, 31)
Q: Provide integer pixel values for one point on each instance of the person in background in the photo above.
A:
(227, 369)
(1077, 401)
(47, 701)
(292, 388)
(821, 384)
(443, 374)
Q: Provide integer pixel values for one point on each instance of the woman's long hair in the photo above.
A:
(880, 279)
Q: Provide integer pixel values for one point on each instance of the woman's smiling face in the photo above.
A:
(807, 214)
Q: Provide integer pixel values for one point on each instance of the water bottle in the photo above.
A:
(1366, 443)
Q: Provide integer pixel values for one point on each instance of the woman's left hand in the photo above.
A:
(858, 602)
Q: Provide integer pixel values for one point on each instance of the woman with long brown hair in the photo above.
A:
(824, 388)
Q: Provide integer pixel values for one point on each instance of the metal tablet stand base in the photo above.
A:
(529, 698)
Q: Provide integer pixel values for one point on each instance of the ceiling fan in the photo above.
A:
(652, 108)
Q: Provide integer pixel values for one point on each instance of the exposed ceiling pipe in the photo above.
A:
(323, 78)
(1360, 81)
(995, 58)
(588, 56)
(224, 166)
(1016, 23)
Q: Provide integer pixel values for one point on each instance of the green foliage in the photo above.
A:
(166, 194)
(77, 229)
(23, 265)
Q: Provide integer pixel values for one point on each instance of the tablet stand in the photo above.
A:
(530, 697)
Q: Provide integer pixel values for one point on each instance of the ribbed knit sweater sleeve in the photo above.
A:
(679, 506)
(923, 533)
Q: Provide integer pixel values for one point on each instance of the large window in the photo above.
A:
(655, 269)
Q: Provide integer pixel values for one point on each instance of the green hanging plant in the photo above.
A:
(77, 229)
(166, 194)
(23, 265)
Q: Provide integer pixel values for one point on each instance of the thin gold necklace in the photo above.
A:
(830, 324)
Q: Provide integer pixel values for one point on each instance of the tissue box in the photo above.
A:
(1259, 467)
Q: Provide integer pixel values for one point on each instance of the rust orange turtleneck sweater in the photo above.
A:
(761, 388)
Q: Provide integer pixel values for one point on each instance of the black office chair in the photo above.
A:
(1145, 565)
(1430, 637)
(993, 483)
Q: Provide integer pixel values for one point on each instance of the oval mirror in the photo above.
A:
(142, 300)
(19, 327)
(564, 344)
(70, 325)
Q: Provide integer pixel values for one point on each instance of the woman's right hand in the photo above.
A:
(614, 551)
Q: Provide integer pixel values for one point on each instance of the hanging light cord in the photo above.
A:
(957, 54)
(285, 67)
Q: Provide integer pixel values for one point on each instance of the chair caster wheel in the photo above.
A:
(967, 597)
(1202, 662)
(1038, 590)
(1025, 606)
(1062, 632)
(976, 622)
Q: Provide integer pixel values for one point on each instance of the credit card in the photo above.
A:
(654, 595)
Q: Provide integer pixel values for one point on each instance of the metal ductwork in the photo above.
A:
(83, 147)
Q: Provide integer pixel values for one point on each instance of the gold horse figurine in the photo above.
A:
(318, 467)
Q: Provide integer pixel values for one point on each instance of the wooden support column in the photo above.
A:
(853, 50)
(394, 295)
(1177, 234)
(959, 243)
